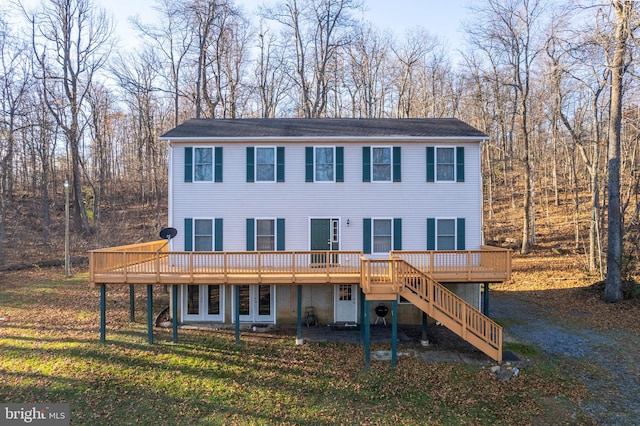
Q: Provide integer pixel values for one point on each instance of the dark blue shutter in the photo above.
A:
(339, 164)
(366, 235)
(188, 234)
(308, 164)
(460, 164)
(251, 234)
(397, 234)
(280, 164)
(460, 234)
(397, 161)
(366, 164)
(280, 234)
(188, 164)
(431, 233)
(431, 164)
(218, 164)
(250, 164)
(218, 234)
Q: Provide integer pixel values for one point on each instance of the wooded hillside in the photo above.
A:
(535, 76)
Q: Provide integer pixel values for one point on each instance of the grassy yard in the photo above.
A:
(50, 352)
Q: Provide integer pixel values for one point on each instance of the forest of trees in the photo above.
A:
(552, 83)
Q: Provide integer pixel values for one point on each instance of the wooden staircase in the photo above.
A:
(385, 279)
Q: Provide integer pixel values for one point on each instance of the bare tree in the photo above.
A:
(71, 41)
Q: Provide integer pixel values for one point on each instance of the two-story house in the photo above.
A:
(277, 214)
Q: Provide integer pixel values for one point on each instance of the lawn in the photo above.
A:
(50, 352)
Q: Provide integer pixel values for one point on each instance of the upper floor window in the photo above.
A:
(445, 164)
(324, 164)
(203, 164)
(265, 164)
(265, 234)
(381, 164)
(203, 234)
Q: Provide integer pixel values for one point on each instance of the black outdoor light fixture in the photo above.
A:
(167, 234)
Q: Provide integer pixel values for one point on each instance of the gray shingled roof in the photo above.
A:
(323, 127)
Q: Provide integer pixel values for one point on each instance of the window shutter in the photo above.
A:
(366, 164)
(431, 164)
(188, 164)
(366, 235)
(460, 164)
(188, 234)
(250, 164)
(250, 234)
(218, 164)
(460, 234)
(397, 161)
(308, 164)
(431, 233)
(218, 234)
(280, 164)
(339, 164)
(397, 234)
(280, 234)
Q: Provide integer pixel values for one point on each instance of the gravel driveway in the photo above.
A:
(615, 381)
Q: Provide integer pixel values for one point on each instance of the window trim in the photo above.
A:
(454, 164)
(213, 233)
(213, 164)
(373, 234)
(333, 164)
(256, 164)
(275, 232)
(390, 148)
(455, 232)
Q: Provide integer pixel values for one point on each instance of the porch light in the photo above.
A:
(348, 222)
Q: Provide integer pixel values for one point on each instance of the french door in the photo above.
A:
(257, 303)
(203, 303)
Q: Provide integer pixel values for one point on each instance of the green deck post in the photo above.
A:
(237, 312)
(367, 330)
(299, 336)
(425, 336)
(361, 314)
(174, 312)
(132, 303)
(486, 300)
(103, 312)
(394, 332)
(150, 313)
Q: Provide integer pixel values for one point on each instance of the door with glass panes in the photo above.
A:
(257, 303)
(203, 303)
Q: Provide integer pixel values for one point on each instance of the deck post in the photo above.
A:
(367, 330)
(299, 340)
(361, 314)
(150, 312)
(425, 337)
(103, 312)
(237, 311)
(485, 311)
(174, 312)
(394, 332)
(132, 303)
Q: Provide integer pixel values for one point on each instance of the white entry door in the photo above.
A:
(257, 303)
(202, 303)
(346, 303)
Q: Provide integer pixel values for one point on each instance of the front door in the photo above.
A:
(325, 236)
(346, 303)
(257, 303)
(202, 303)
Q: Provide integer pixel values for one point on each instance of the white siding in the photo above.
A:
(413, 199)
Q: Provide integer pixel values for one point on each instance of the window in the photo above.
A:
(445, 160)
(203, 235)
(381, 235)
(265, 234)
(203, 164)
(446, 234)
(324, 164)
(265, 164)
(381, 164)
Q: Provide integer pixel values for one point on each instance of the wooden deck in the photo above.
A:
(151, 263)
